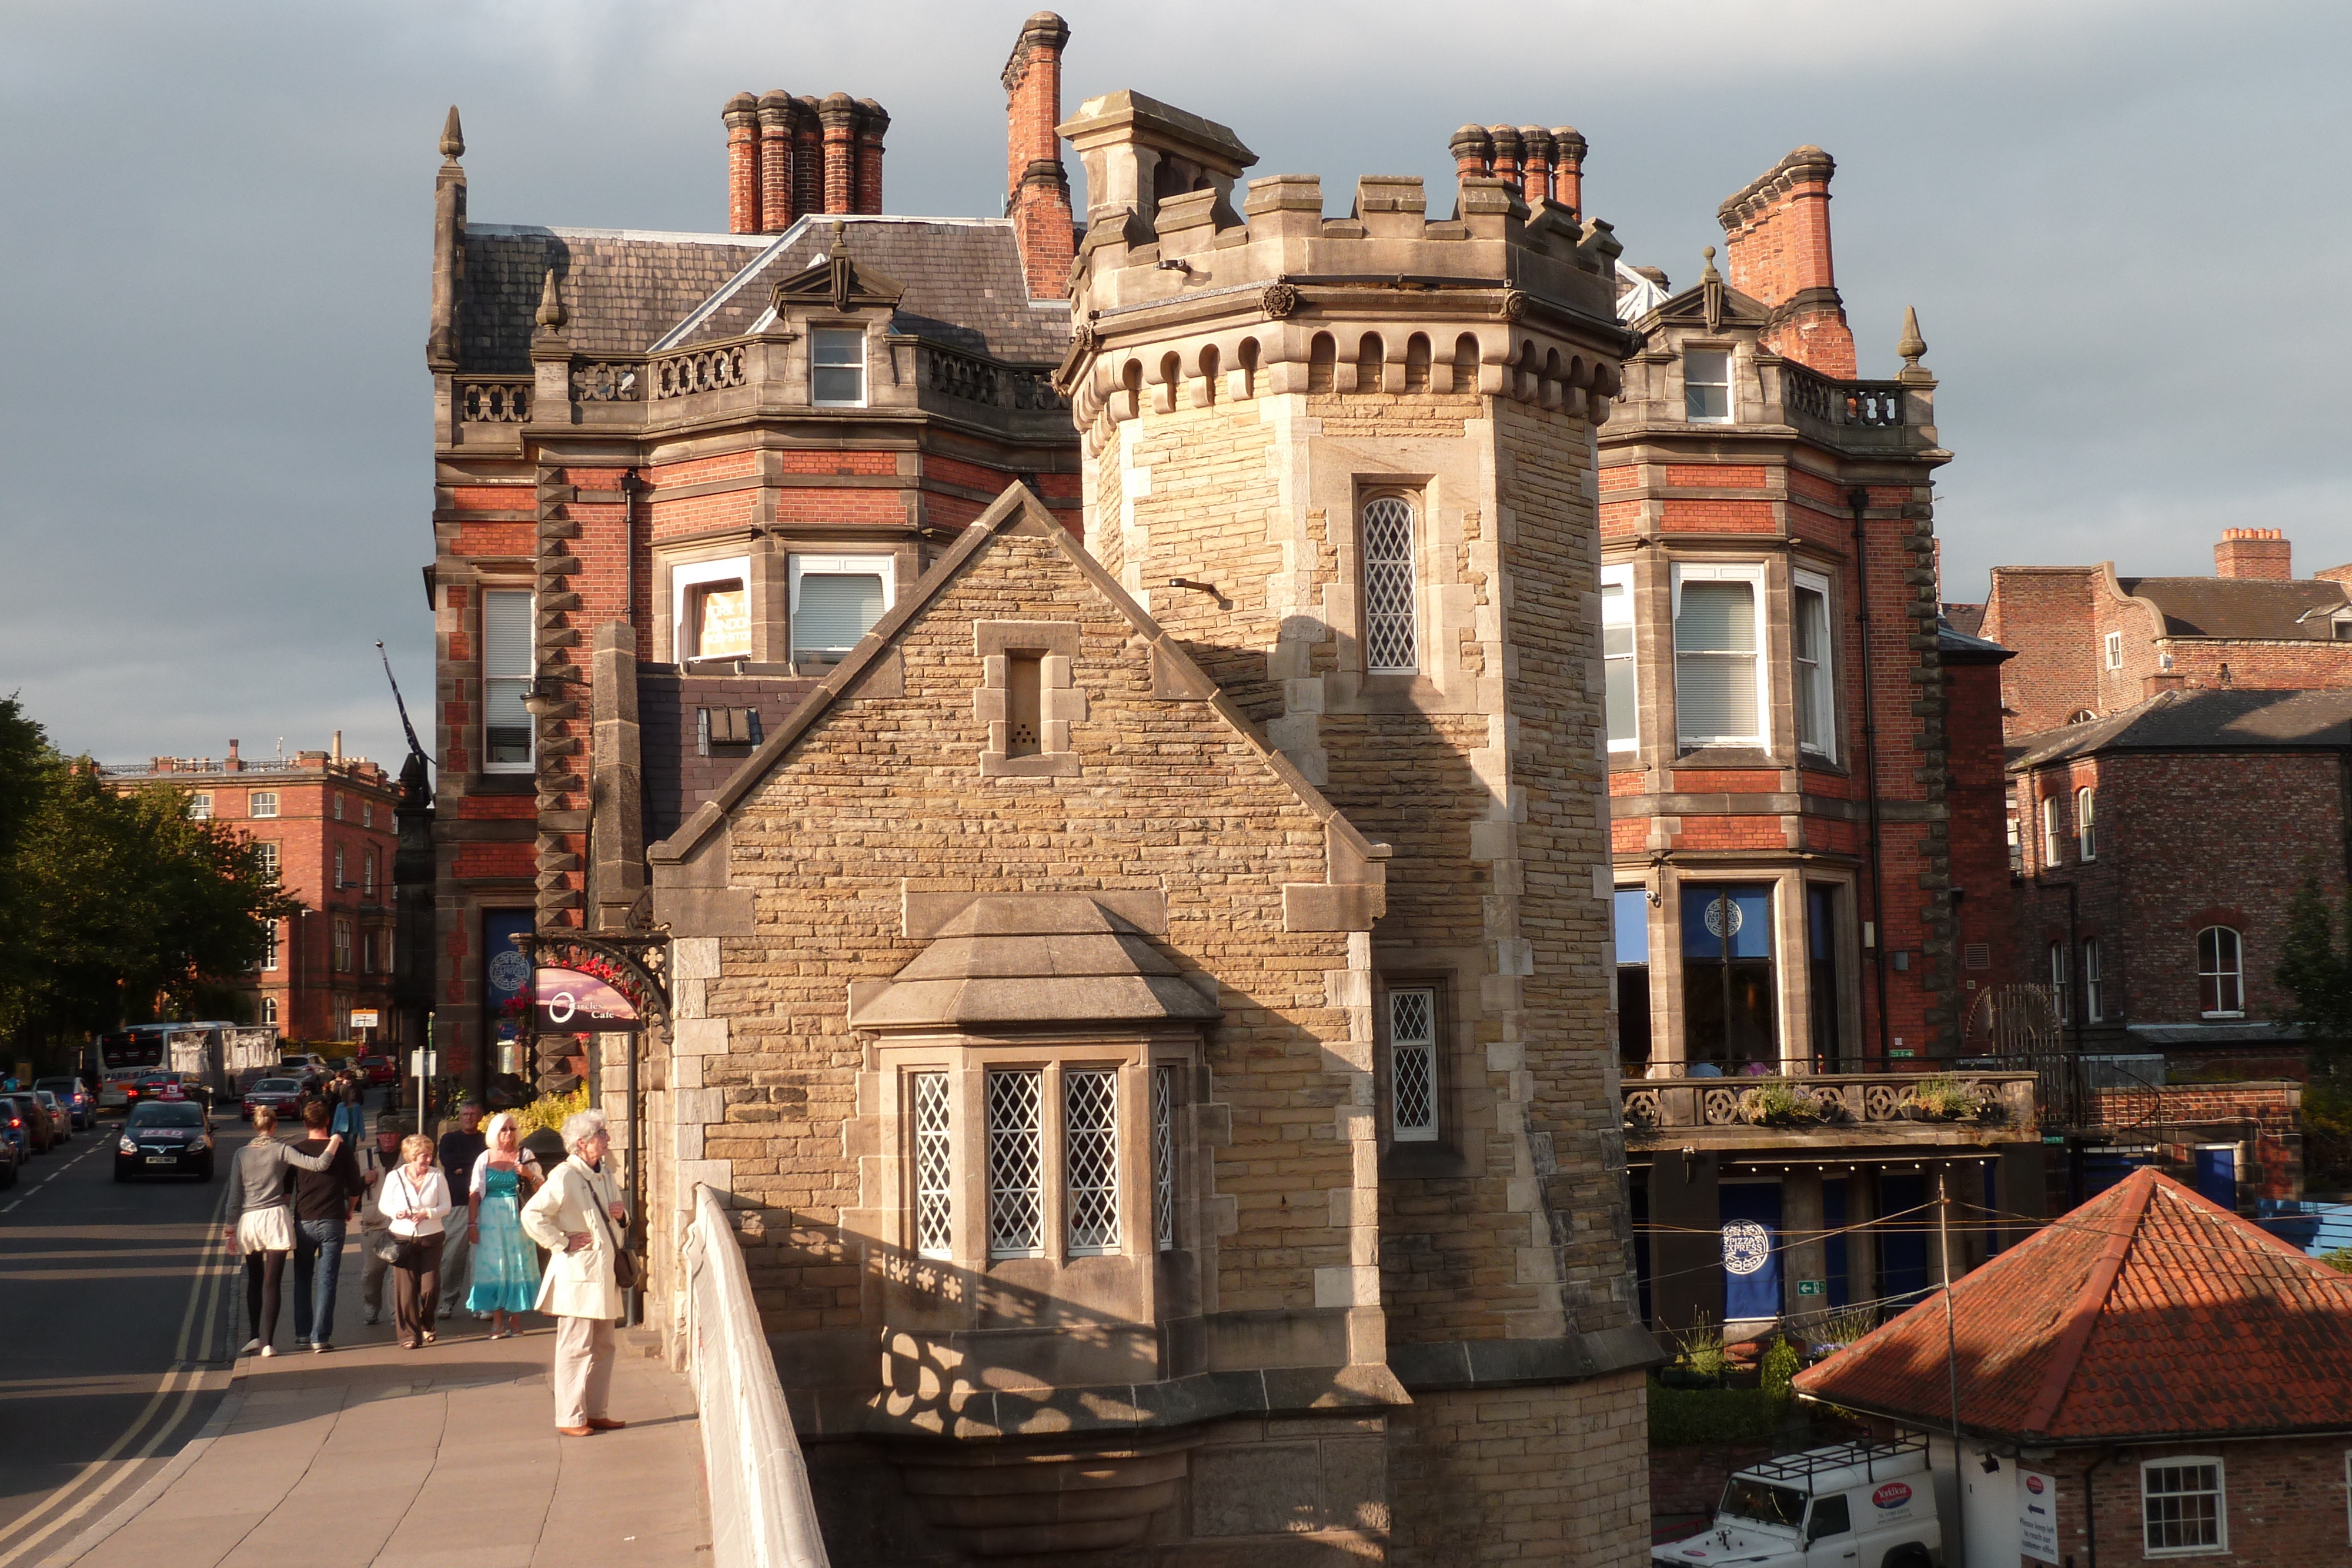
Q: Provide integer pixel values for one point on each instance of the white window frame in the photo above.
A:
(269, 1009)
(1730, 405)
(930, 1105)
(272, 863)
(1824, 666)
(1412, 1054)
(367, 813)
(339, 883)
(200, 806)
(2060, 982)
(882, 566)
(2086, 823)
(2219, 1545)
(529, 763)
(339, 805)
(367, 865)
(1412, 512)
(2095, 1008)
(269, 947)
(1622, 579)
(2237, 973)
(2054, 843)
(1752, 573)
(262, 805)
(818, 338)
(685, 577)
(2115, 649)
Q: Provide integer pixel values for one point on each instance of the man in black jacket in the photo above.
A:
(323, 1204)
(459, 1149)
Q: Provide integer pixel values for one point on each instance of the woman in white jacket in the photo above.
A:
(579, 1217)
(416, 1199)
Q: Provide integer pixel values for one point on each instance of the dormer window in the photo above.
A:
(1707, 386)
(837, 367)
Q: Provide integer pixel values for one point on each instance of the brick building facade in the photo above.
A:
(1805, 776)
(2158, 849)
(326, 822)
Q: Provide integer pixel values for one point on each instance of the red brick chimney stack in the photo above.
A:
(1535, 164)
(232, 765)
(1505, 139)
(1776, 251)
(873, 120)
(1568, 150)
(776, 212)
(1473, 150)
(808, 159)
(1036, 186)
(838, 114)
(2265, 555)
(742, 117)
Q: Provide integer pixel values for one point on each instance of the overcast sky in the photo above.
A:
(2124, 226)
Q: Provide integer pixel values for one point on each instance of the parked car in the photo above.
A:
(378, 1069)
(10, 1158)
(282, 1095)
(166, 1137)
(77, 1096)
(40, 1134)
(61, 1119)
(15, 1131)
(1868, 1503)
(114, 1089)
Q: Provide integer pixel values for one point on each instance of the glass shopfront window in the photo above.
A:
(1730, 997)
(1632, 913)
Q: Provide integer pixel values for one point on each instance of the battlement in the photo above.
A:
(1184, 301)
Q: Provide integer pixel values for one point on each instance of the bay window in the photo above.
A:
(506, 669)
(1730, 991)
(1815, 691)
(1619, 683)
(835, 601)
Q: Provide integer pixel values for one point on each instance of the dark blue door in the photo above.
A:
(1902, 1238)
(2216, 1176)
(1751, 1249)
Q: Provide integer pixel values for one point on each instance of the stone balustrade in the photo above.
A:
(1833, 1107)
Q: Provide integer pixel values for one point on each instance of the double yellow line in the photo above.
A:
(104, 1475)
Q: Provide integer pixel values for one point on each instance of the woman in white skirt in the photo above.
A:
(261, 1221)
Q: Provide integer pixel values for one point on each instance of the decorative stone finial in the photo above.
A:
(453, 136)
(1709, 275)
(1913, 345)
(552, 314)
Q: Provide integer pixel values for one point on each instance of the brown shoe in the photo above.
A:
(577, 1431)
(602, 1424)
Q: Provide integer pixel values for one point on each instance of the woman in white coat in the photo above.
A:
(579, 1217)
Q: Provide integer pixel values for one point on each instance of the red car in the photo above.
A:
(378, 1068)
(281, 1094)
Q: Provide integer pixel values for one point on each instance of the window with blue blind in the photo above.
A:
(836, 600)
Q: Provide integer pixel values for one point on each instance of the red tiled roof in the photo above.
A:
(2147, 1311)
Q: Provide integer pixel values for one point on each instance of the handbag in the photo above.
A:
(624, 1268)
(384, 1245)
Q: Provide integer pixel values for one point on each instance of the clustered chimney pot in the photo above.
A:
(788, 157)
(2260, 555)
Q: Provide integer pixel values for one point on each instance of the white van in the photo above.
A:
(1853, 1505)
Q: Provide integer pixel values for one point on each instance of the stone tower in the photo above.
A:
(1348, 463)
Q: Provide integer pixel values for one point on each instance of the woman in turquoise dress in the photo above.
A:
(506, 1263)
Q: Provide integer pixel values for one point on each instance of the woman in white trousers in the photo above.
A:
(579, 1217)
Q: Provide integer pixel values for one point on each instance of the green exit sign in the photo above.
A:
(1812, 1286)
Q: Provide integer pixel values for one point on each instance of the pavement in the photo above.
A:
(374, 1455)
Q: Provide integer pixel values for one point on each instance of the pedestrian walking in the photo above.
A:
(261, 1221)
(323, 1204)
(376, 1161)
(350, 1112)
(415, 1198)
(505, 1263)
(460, 1150)
(579, 1217)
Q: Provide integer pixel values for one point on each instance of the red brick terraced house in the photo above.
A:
(325, 822)
(1806, 801)
(2150, 1377)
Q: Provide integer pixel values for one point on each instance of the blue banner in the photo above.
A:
(1751, 1249)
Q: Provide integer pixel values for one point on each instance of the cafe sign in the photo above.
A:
(566, 1001)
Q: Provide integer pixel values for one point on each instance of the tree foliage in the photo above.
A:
(2315, 971)
(112, 904)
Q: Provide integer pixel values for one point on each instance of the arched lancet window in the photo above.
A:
(1391, 628)
(2221, 973)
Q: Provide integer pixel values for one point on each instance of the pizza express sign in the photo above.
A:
(565, 1001)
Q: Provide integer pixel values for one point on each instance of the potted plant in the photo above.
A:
(1942, 1098)
(1776, 1105)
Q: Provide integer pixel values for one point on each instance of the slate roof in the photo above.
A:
(2210, 718)
(2149, 1311)
(1965, 618)
(1953, 640)
(2240, 607)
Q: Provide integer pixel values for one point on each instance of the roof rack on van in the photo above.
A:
(1867, 1455)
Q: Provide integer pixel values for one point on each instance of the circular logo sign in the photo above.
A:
(1723, 917)
(510, 971)
(2034, 1484)
(1893, 1494)
(1746, 1247)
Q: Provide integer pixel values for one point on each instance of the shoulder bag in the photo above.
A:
(624, 1268)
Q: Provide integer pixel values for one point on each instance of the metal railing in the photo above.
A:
(761, 1512)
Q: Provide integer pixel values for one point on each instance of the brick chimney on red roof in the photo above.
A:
(2262, 554)
(1777, 251)
(788, 157)
(1036, 186)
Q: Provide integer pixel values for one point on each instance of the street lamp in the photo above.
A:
(542, 700)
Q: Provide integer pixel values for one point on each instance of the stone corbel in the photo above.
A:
(1354, 893)
(691, 895)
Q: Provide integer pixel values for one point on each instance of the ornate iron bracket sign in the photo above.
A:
(635, 964)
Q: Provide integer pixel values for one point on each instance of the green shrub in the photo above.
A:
(548, 1112)
(1944, 1097)
(2340, 1260)
(1782, 1365)
(1681, 1416)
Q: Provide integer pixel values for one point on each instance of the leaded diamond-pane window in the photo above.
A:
(1017, 1155)
(1163, 1158)
(934, 1214)
(1413, 1065)
(1391, 636)
(1090, 1153)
